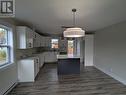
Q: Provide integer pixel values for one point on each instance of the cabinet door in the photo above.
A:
(25, 74)
(35, 68)
(36, 64)
(50, 57)
(21, 37)
(29, 38)
(39, 40)
(29, 43)
(42, 59)
(24, 37)
(29, 32)
(42, 41)
(63, 45)
(35, 39)
(47, 41)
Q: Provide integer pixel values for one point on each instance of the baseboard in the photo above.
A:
(111, 75)
(10, 88)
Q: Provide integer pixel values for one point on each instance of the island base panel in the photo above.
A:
(68, 66)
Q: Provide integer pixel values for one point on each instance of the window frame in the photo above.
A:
(7, 45)
(53, 43)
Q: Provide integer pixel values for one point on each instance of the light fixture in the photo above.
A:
(74, 31)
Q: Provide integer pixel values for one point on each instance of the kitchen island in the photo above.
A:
(68, 64)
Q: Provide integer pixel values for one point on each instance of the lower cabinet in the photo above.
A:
(41, 59)
(28, 69)
(50, 57)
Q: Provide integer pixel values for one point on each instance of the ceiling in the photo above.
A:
(47, 16)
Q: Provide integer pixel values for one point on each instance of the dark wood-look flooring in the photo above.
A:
(90, 82)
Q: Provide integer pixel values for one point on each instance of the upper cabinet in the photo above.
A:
(47, 41)
(24, 37)
(36, 39)
(42, 41)
(27, 38)
(63, 45)
(39, 41)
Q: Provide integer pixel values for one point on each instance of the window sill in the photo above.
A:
(4, 67)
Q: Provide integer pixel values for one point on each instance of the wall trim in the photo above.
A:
(116, 77)
(10, 88)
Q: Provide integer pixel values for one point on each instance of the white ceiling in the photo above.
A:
(48, 16)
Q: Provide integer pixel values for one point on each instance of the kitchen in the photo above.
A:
(35, 50)
(54, 47)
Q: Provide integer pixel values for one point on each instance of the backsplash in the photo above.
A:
(22, 53)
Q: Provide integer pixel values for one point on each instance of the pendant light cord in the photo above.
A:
(74, 13)
(74, 19)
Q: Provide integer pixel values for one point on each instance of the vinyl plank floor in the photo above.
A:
(91, 81)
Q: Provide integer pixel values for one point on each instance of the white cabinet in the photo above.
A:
(50, 57)
(27, 38)
(89, 39)
(28, 69)
(41, 59)
(42, 41)
(63, 45)
(24, 37)
(36, 62)
(39, 41)
(36, 39)
(47, 42)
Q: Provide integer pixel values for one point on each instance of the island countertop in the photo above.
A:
(67, 56)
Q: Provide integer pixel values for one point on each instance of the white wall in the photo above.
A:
(89, 50)
(8, 75)
(110, 51)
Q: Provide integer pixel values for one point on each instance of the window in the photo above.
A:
(70, 47)
(4, 46)
(54, 43)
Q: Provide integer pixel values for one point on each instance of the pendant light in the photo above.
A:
(74, 31)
